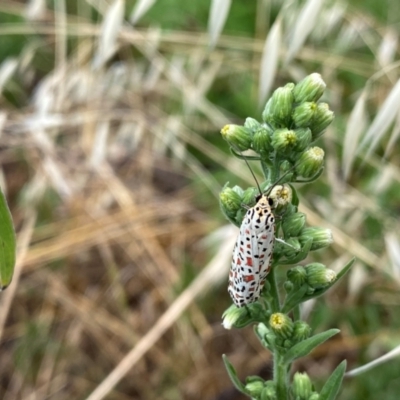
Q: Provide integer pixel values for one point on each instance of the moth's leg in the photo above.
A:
(245, 206)
(283, 242)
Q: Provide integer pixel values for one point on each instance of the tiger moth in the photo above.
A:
(252, 253)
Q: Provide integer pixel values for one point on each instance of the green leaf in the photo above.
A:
(334, 382)
(345, 269)
(295, 197)
(7, 244)
(294, 298)
(261, 331)
(233, 375)
(312, 179)
(306, 346)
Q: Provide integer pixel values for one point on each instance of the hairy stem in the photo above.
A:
(274, 294)
(281, 377)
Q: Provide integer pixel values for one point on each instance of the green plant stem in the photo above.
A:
(296, 313)
(274, 175)
(274, 294)
(281, 377)
(266, 166)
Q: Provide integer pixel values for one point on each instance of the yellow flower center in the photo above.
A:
(290, 138)
(277, 320)
(225, 130)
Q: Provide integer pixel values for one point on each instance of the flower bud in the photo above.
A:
(270, 339)
(301, 331)
(287, 344)
(284, 140)
(310, 162)
(286, 166)
(249, 195)
(262, 141)
(254, 387)
(304, 114)
(238, 190)
(297, 275)
(237, 136)
(252, 124)
(291, 247)
(314, 396)
(261, 330)
(281, 196)
(311, 88)
(239, 317)
(302, 386)
(230, 202)
(318, 276)
(323, 117)
(281, 325)
(278, 110)
(269, 391)
(304, 137)
(293, 224)
(321, 237)
(288, 286)
(231, 316)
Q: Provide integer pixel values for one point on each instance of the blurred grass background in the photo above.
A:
(112, 161)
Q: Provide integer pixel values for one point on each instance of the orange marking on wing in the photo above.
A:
(249, 261)
(248, 278)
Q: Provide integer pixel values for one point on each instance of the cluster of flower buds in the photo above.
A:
(234, 201)
(292, 121)
(302, 388)
(257, 388)
(281, 332)
(315, 275)
(299, 239)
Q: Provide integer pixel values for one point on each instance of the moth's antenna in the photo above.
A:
(252, 173)
(279, 179)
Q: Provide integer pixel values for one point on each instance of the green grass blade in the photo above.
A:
(7, 244)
